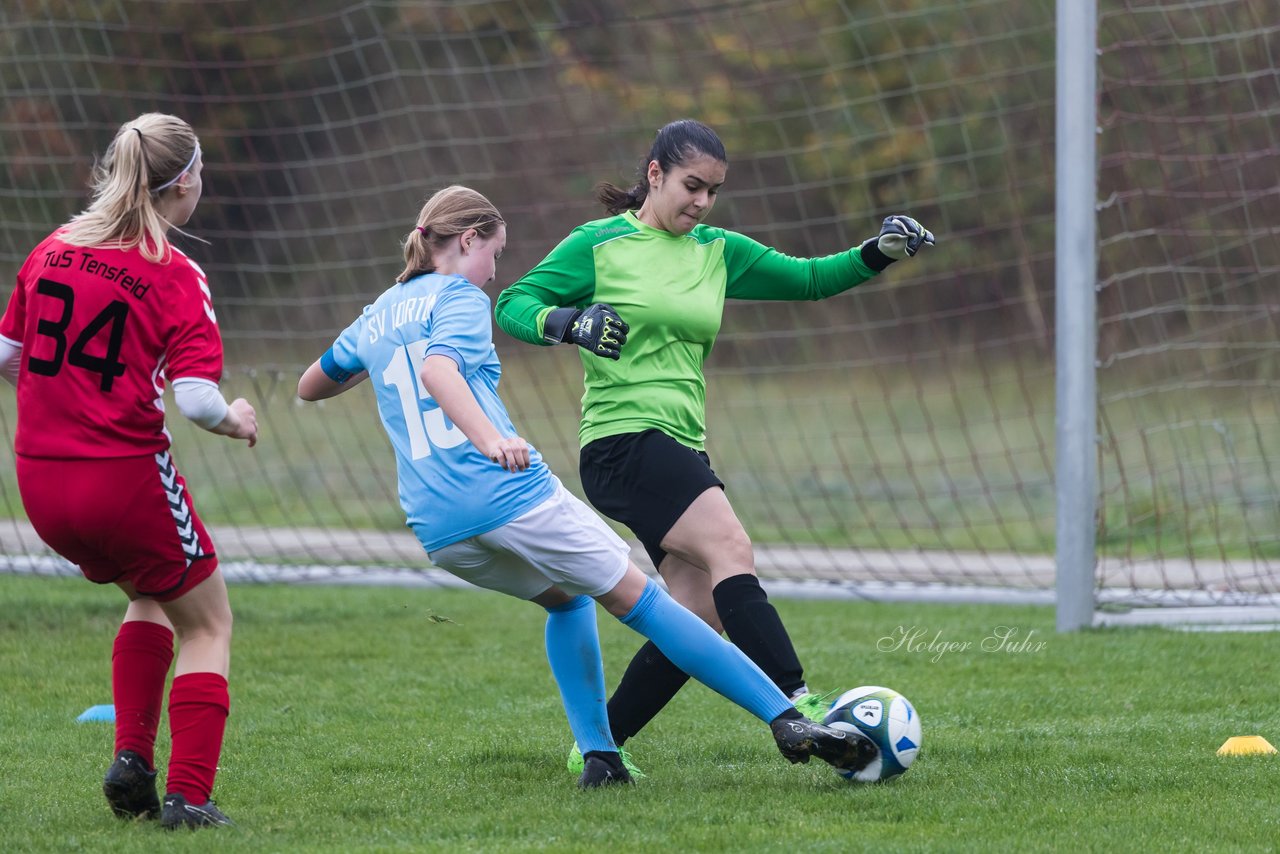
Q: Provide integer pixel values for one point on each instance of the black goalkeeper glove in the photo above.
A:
(900, 237)
(597, 329)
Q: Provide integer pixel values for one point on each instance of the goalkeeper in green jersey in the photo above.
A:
(652, 276)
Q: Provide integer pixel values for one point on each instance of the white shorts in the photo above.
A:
(560, 543)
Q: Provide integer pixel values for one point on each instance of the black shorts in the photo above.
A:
(645, 481)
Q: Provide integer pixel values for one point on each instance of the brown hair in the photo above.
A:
(448, 213)
(146, 158)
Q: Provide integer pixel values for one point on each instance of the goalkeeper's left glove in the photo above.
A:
(900, 237)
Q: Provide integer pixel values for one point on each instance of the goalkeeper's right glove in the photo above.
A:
(597, 329)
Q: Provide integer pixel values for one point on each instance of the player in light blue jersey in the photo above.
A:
(487, 509)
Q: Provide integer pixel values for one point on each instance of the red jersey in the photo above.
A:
(101, 331)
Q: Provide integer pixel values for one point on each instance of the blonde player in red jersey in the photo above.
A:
(104, 312)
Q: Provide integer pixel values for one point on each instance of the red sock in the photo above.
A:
(139, 664)
(198, 709)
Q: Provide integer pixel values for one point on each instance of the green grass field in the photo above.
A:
(377, 719)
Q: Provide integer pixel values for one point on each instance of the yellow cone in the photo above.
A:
(1245, 745)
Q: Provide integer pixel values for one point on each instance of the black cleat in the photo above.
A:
(845, 749)
(178, 813)
(598, 770)
(130, 787)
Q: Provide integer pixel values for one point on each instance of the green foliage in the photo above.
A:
(361, 723)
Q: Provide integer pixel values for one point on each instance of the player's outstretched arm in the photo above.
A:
(446, 385)
(316, 384)
(758, 272)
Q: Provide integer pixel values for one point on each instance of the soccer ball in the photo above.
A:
(888, 719)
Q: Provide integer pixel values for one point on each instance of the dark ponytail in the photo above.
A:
(616, 200)
(675, 144)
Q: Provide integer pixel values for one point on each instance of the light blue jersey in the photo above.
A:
(448, 489)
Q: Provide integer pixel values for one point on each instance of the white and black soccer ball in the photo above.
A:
(888, 719)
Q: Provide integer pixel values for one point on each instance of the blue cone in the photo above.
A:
(98, 714)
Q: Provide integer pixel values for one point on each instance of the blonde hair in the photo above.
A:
(147, 157)
(446, 214)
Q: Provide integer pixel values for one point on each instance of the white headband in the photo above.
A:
(185, 169)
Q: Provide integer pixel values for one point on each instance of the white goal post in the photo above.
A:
(1075, 250)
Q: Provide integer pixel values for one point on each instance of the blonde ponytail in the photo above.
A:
(446, 214)
(147, 157)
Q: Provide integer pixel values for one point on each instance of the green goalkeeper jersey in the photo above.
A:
(670, 289)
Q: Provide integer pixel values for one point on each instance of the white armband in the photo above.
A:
(201, 401)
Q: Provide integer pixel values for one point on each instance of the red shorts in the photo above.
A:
(120, 519)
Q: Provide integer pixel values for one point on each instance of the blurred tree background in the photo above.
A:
(325, 129)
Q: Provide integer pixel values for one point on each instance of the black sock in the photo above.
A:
(753, 624)
(609, 757)
(649, 684)
(791, 714)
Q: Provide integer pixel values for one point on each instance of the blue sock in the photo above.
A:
(573, 649)
(695, 648)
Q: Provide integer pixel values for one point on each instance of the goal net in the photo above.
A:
(896, 440)
(1189, 356)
